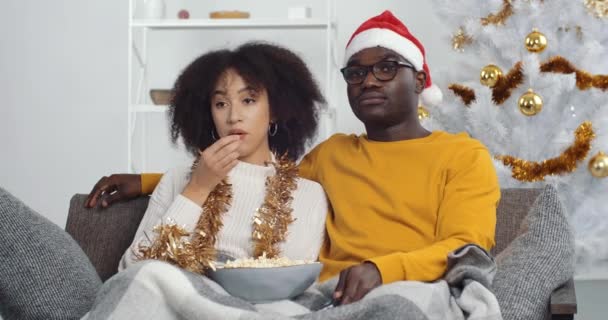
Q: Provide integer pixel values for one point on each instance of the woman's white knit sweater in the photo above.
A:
(305, 234)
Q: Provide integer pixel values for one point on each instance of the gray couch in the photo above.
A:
(105, 234)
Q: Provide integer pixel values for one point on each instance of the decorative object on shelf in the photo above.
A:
(535, 41)
(299, 13)
(423, 112)
(183, 14)
(154, 9)
(460, 40)
(489, 75)
(160, 96)
(229, 14)
(598, 165)
(566, 162)
(530, 103)
(500, 17)
(598, 8)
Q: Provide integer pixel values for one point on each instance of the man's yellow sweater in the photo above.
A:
(402, 205)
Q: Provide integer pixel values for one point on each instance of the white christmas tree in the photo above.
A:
(532, 85)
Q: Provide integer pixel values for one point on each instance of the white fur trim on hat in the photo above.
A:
(388, 39)
(431, 96)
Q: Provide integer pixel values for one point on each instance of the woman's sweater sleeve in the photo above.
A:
(165, 203)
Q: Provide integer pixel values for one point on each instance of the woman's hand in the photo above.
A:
(214, 164)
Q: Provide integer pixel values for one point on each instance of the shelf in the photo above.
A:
(229, 23)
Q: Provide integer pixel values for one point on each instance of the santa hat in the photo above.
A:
(389, 32)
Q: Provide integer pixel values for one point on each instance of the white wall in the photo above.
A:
(63, 85)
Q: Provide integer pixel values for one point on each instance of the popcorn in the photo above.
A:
(263, 262)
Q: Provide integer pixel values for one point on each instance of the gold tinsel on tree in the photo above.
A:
(566, 162)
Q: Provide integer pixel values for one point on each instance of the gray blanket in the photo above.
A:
(157, 290)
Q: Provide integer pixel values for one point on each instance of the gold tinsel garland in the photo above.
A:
(209, 224)
(598, 8)
(500, 17)
(530, 171)
(269, 226)
(506, 84)
(465, 93)
(500, 92)
(460, 40)
(274, 216)
(584, 80)
(171, 245)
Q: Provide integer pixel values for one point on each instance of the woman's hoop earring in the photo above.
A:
(213, 135)
(272, 129)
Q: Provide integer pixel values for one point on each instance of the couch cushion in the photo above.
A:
(513, 207)
(105, 234)
(43, 272)
(537, 262)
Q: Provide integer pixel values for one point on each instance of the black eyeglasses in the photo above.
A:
(383, 71)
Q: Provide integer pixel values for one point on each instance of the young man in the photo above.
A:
(401, 197)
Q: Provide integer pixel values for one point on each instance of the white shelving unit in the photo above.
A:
(138, 56)
(229, 23)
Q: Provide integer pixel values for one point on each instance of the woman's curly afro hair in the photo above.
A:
(293, 95)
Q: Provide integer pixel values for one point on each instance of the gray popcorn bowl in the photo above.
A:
(260, 285)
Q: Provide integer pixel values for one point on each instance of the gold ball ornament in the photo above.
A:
(530, 103)
(423, 113)
(536, 41)
(489, 75)
(598, 165)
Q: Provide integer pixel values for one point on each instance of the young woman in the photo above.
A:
(246, 116)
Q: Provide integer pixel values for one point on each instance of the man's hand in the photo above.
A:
(356, 281)
(117, 187)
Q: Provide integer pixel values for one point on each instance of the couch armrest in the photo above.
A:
(563, 301)
(105, 234)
